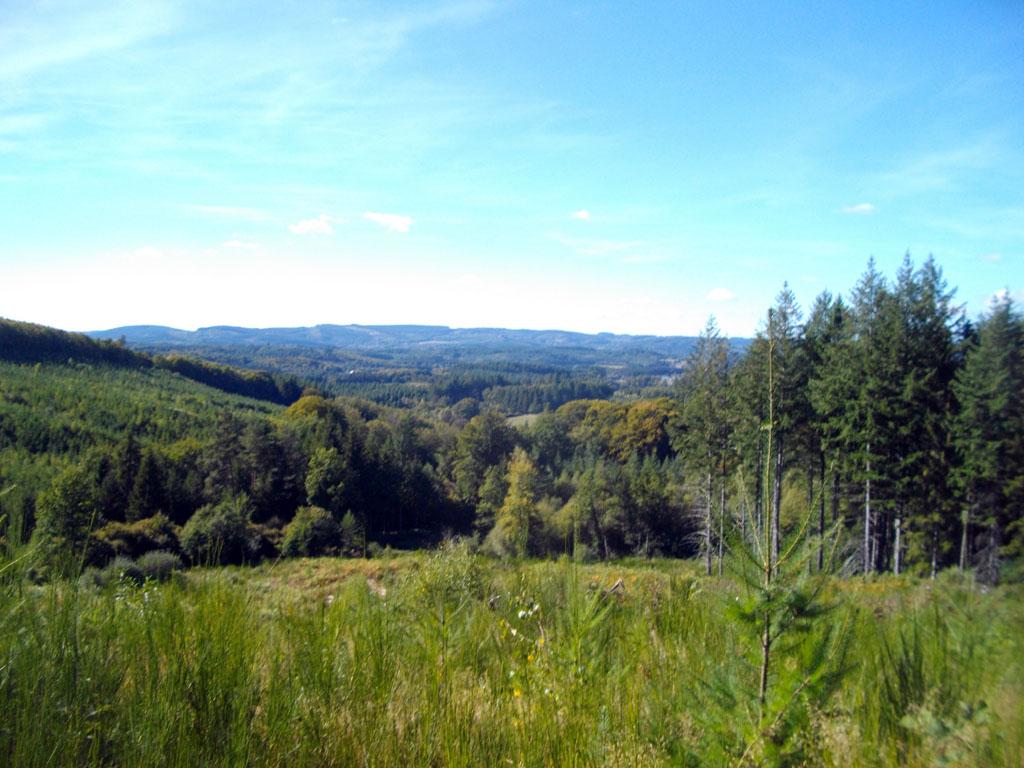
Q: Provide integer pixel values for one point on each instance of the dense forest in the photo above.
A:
(887, 414)
(430, 368)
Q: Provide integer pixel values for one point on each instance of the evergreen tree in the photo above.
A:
(922, 462)
(147, 496)
(868, 411)
(786, 392)
(824, 337)
(989, 438)
(704, 393)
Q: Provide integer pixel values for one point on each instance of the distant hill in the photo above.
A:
(396, 337)
(30, 343)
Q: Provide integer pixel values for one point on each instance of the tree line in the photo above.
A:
(901, 418)
(30, 343)
(886, 414)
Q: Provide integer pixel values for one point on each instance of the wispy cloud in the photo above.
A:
(720, 294)
(240, 245)
(230, 212)
(942, 169)
(992, 258)
(393, 221)
(49, 34)
(634, 252)
(321, 225)
(859, 209)
(581, 215)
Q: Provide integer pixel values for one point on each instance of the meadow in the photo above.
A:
(451, 659)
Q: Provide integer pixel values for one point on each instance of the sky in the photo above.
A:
(589, 166)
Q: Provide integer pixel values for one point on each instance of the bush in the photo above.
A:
(147, 535)
(67, 512)
(270, 540)
(221, 534)
(312, 532)
(122, 568)
(158, 565)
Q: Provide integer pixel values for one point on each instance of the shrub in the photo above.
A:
(351, 532)
(312, 532)
(67, 513)
(221, 534)
(158, 565)
(147, 535)
(270, 539)
(122, 568)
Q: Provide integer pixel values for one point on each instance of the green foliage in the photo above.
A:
(142, 536)
(68, 514)
(886, 408)
(447, 658)
(517, 527)
(486, 441)
(158, 565)
(221, 533)
(29, 343)
(313, 531)
(256, 384)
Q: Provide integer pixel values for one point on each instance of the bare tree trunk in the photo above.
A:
(867, 515)
(744, 511)
(759, 489)
(821, 510)
(599, 532)
(966, 526)
(896, 552)
(721, 524)
(707, 527)
(835, 497)
(777, 503)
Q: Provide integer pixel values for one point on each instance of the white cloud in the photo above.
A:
(720, 294)
(393, 221)
(582, 215)
(597, 247)
(860, 209)
(991, 257)
(240, 245)
(321, 225)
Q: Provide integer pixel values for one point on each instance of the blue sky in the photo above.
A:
(593, 166)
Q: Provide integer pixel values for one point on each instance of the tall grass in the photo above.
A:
(450, 660)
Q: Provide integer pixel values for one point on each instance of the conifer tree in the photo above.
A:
(989, 438)
(704, 392)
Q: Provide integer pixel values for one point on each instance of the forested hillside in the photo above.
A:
(432, 368)
(887, 413)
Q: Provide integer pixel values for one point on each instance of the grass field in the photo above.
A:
(447, 659)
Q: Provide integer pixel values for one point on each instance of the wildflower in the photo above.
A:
(529, 658)
(517, 693)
